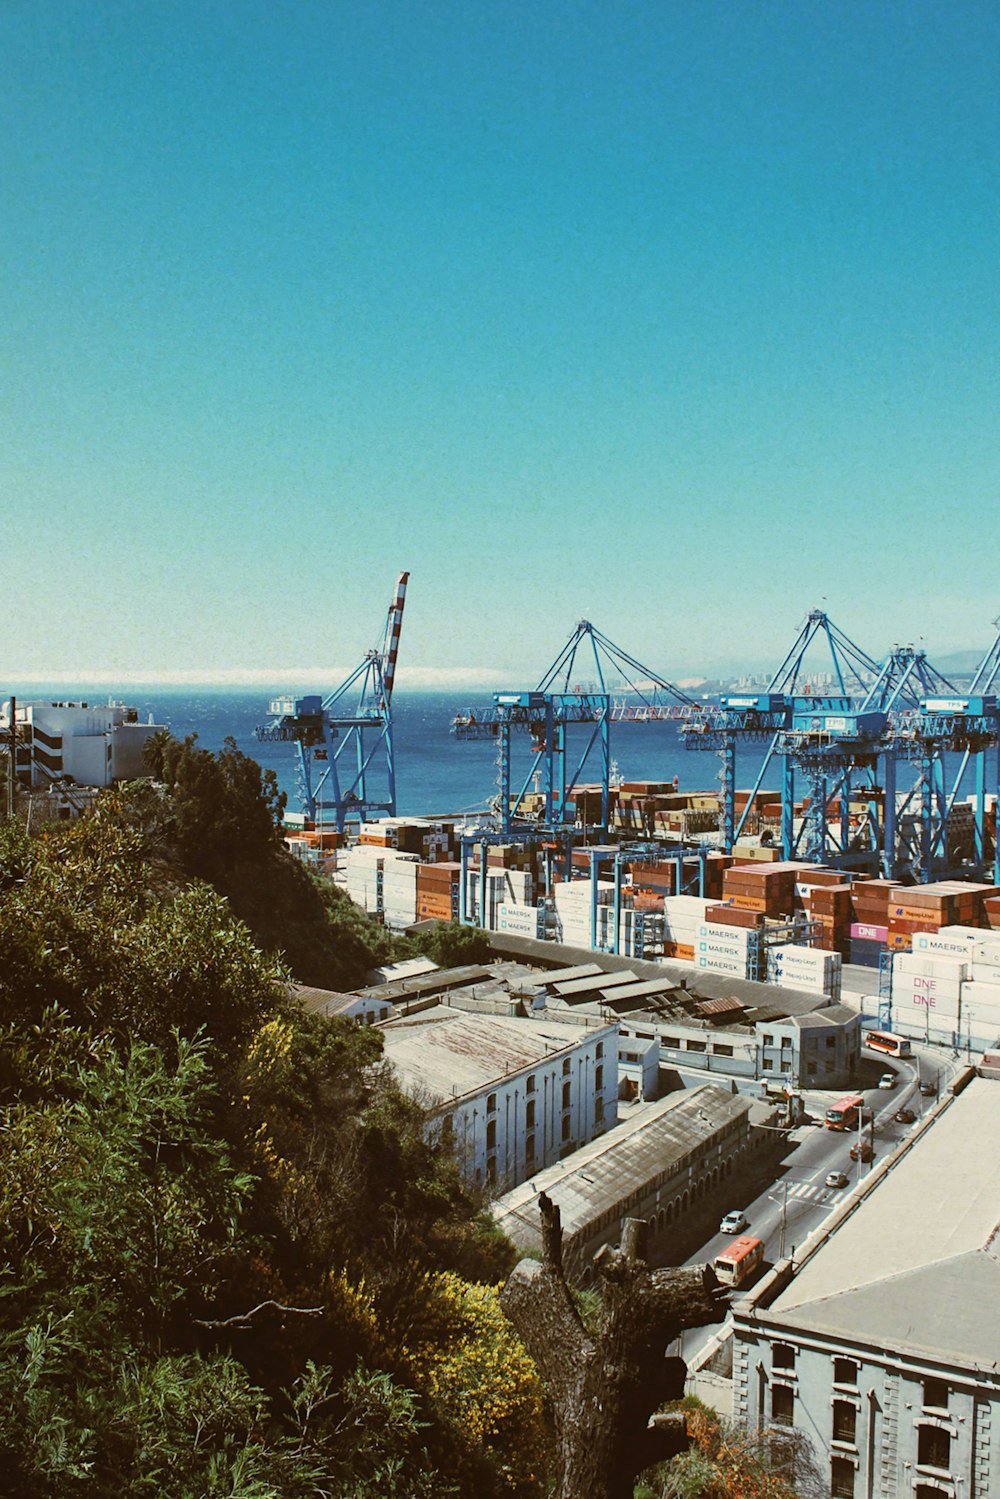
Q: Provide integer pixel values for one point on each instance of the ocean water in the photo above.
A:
(435, 772)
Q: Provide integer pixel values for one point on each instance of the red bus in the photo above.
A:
(893, 1046)
(738, 1261)
(845, 1113)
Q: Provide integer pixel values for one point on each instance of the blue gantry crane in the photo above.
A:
(844, 744)
(546, 713)
(346, 764)
(968, 724)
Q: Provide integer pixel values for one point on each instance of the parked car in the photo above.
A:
(928, 1089)
(904, 1116)
(888, 1080)
(862, 1150)
(734, 1222)
(837, 1179)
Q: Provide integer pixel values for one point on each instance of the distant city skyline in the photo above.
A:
(683, 319)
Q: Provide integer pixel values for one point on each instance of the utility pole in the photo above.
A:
(12, 757)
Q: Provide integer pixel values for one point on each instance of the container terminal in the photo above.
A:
(868, 844)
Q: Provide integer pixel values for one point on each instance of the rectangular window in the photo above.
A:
(697, 1046)
(845, 1418)
(491, 1104)
(845, 1371)
(567, 1093)
(599, 1077)
(599, 1049)
(933, 1447)
(722, 1051)
(936, 1394)
(565, 1066)
(491, 1135)
(783, 1356)
(782, 1405)
(529, 1086)
(767, 1040)
(529, 1114)
(831, 1042)
(767, 1065)
(599, 1109)
(529, 1149)
(841, 1478)
(565, 1128)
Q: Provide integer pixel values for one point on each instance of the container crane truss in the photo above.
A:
(547, 712)
(346, 761)
(878, 716)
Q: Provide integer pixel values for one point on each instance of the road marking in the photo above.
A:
(809, 1192)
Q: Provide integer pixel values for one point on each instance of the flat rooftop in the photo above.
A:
(443, 1054)
(917, 1265)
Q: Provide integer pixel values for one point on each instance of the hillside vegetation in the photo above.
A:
(230, 1263)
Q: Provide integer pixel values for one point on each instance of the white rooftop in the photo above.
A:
(442, 1053)
(917, 1265)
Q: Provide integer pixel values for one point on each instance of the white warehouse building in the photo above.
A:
(514, 1095)
(91, 744)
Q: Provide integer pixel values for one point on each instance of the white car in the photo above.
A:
(733, 1222)
(887, 1080)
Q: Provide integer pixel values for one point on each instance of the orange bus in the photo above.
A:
(893, 1046)
(738, 1261)
(845, 1113)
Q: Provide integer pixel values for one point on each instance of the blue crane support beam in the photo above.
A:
(344, 742)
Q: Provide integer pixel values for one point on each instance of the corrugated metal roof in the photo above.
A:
(719, 1007)
(320, 1001)
(594, 983)
(443, 1054)
(566, 975)
(599, 1176)
(438, 982)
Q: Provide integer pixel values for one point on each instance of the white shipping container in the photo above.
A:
(979, 993)
(922, 983)
(986, 955)
(718, 964)
(736, 936)
(930, 965)
(691, 908)
(946, 1007)
(522, 920)
(705, 948)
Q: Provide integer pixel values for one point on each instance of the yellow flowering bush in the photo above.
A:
(470, 1364)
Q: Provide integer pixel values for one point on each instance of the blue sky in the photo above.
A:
(683, 318)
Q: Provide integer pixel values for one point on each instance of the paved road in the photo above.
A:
(796, 1203)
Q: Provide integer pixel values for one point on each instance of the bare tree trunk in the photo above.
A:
(605, 1387)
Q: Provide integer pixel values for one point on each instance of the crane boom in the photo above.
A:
(393, 627)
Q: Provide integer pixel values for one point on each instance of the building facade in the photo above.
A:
(512, 1095)
(90, 744)
(881, 1348)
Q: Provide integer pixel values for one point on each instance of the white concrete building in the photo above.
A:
(882, 1346)
(514, 1095)
(91, 744)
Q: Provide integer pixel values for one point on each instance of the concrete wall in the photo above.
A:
(535, 1117)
